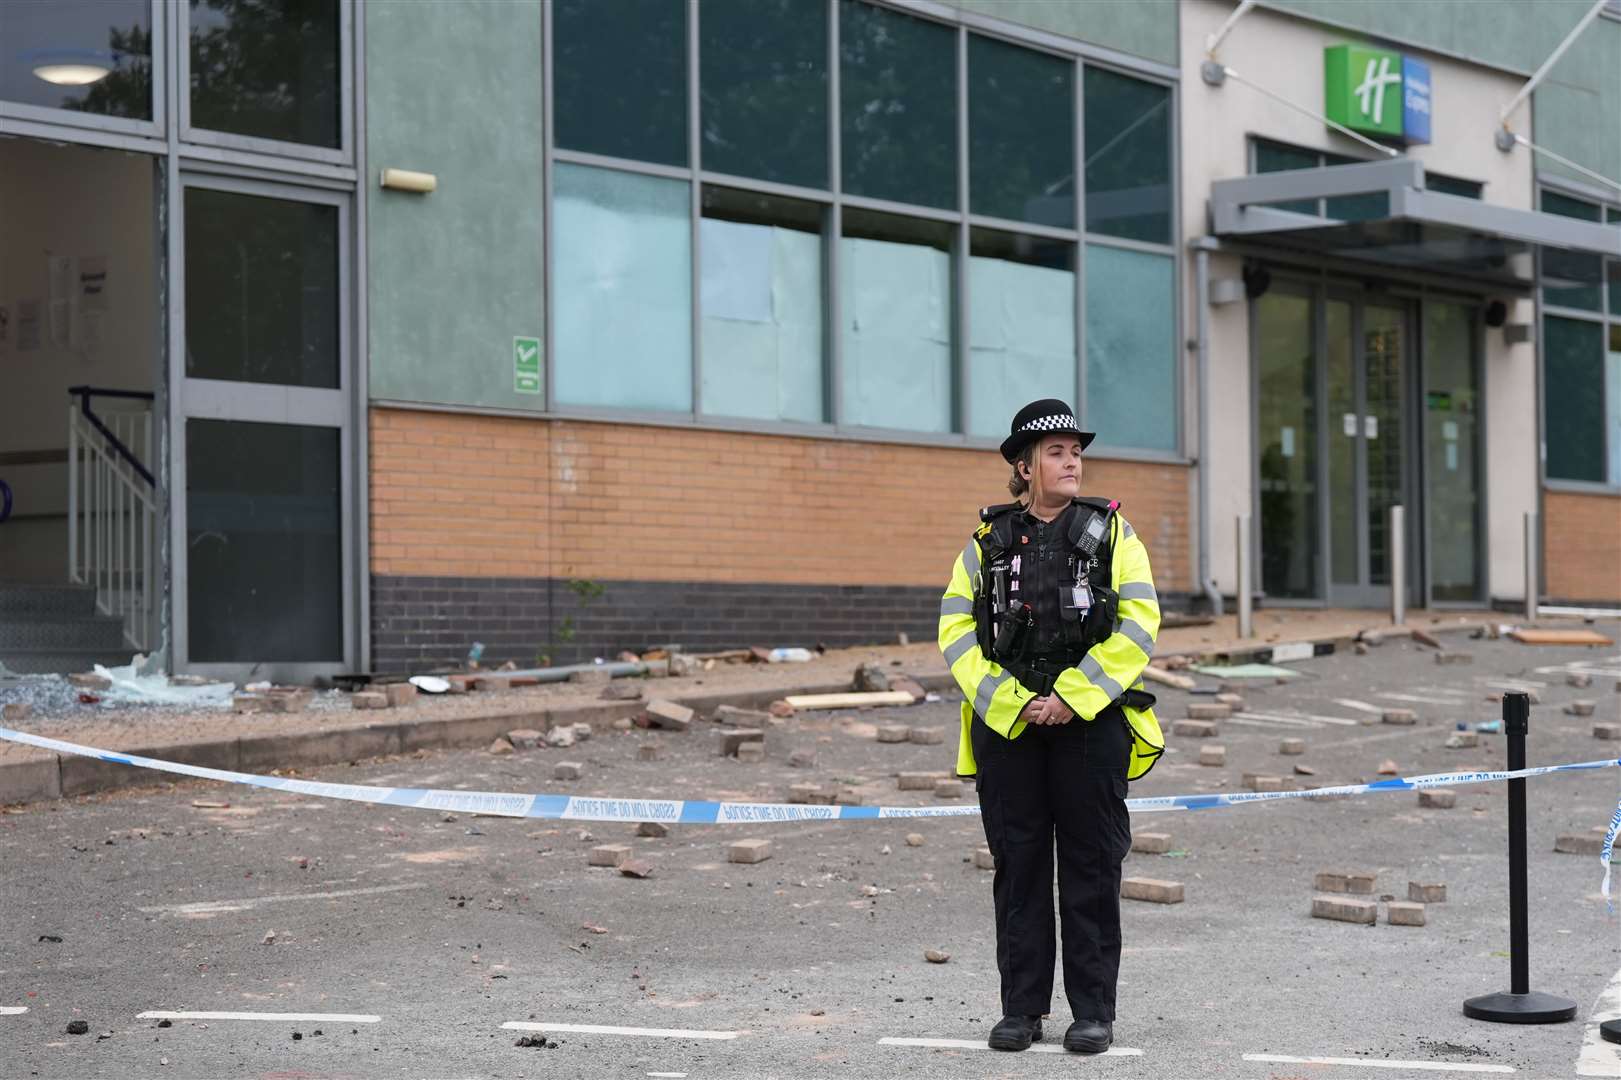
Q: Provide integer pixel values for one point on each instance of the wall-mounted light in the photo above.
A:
(420, 183)
(70, 67)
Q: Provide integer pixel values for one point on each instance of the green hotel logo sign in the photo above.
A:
(1378, 92)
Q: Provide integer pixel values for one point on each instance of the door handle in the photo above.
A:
(1348, 422)
(1370, 427)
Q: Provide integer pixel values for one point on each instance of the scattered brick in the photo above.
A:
(582, 731)
(1342, 910)
(1292, 747)
(1333, 881)
(561, 737)
(250, 703)
(1579, 679)
(86, 680)
(607, 855)
(894, 733)
(621, 690)
(668, 715)
(1438, 798)
(748, 851)
(287, 700)
(914, 839)
(984, 860)
(1421, 893)
(1305, 770)
(1400, 717)
(908, 685)
(1209, 711)
(1607, 731)
(525, 738)
(400, 693)
(1448, 657)
(736, 737)
(655, 829)
(919, 781)
(1404, 913)
(734, 716)
(368, 699)
(624, 723)
(803, 793)
(1151, 843)
(802, 759)
(1580, 844)
(1463, 740)
(568, 770)
(780, 708)
(500, 747)
(636, 868)
(1424, 637)
(1194, 729)
(1580, 708)
(649, 752)
(1531, 695)
(1388, 768)
(926, 736)
(1232, 701)
(845, 796)
(1265, 783)
(1151, 890)
(948, 789)
(751, 752)
(1211, 754)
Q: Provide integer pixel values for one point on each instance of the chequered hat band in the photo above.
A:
(1056, 422)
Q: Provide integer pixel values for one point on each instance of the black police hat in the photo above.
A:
(1039, 419)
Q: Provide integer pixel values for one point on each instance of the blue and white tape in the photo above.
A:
(1608, 854)
(701, 812)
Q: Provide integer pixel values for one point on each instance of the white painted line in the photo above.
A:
(1338, 721)
(1600, 1058)
(672, 1076)
(1272, 719)
(336, 1018)
(214, 907)
(1360, 706)
(1420, 699)
(1376, 1063)
(979, 1044)
(1518, 684)
(13, 1010)
(1448, 691)
(608, 1029)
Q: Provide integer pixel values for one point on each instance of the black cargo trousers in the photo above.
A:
(1063, 783)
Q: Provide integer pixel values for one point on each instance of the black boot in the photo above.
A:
(1015, 1033)
(1089, 1036)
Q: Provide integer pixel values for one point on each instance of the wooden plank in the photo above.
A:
(849, 701)
(1160, 675)
(1559, 637)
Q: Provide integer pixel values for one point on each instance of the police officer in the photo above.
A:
(1047, 625)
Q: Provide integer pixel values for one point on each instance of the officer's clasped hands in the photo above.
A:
(1047, 710)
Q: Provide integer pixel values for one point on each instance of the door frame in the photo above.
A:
(213, 399)
(1474, 305)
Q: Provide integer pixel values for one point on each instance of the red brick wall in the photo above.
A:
(1581, 538)
(486, 496)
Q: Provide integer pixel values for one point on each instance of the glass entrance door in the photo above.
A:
(262, 524)
(1451, 408)
(1332, 375)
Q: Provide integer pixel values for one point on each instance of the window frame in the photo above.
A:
(834, 200)
(1607, 318)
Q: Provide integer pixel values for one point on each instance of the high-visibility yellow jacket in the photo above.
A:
(1104, 673)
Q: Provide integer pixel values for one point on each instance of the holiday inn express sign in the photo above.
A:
(1377, 92)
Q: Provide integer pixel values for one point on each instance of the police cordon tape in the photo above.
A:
(703, 812)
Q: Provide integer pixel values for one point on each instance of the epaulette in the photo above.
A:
(989, 514)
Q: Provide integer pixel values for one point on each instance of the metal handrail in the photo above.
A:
(112, 510)
(84, 394)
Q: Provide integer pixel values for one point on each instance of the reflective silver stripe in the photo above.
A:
(1138, 636)
(956, 605)
(987, 688)
(1094, 671)
(956, 649)
(970, 559)
(1125, 527)
(1139, 590)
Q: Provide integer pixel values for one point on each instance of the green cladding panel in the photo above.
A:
(455, 276)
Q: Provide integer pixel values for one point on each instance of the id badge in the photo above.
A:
(1081, 597)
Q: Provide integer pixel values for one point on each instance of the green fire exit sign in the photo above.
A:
(526, 365)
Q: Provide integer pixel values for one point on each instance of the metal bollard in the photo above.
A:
(1519, 1004)
(1398, 565)
(1532, 585)
(1245, 629)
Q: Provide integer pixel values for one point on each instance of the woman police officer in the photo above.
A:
(1047, 625)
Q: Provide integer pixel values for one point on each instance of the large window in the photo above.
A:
(851, 215)
(1581, 354)
(268, 71)
(89, 56)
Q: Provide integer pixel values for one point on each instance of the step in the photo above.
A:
(64, 600)
(62, 661)
(57, 632)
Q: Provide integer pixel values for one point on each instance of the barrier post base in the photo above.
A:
(1611, 1031)
(1532, 1007)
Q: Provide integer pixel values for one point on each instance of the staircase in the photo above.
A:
(57, 628)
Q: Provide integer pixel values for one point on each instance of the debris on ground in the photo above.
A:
(936, 956)
(636, 868)
(1559, 637)
(846, 701)
(78, 1027)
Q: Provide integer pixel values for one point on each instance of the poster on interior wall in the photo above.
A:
(27, 325)
(93, 283)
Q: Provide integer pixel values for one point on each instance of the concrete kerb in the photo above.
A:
(58, 776)
(1325, 645)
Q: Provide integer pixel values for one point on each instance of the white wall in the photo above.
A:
(1285, 55)
(67, 201)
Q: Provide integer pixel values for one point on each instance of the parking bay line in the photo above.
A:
(214, 907)
(336, 1018)
(1420, 699)
(1375, 1063)
(1599, 1058)
(979, 1044)
(609, 1029)
(13, 1010)
(1360, 706)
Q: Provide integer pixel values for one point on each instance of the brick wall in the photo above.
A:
(472, 516)
(1581, 538)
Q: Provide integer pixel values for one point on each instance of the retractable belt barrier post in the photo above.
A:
(1519, 1004)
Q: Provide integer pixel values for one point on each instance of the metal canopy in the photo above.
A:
(1399, 225)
